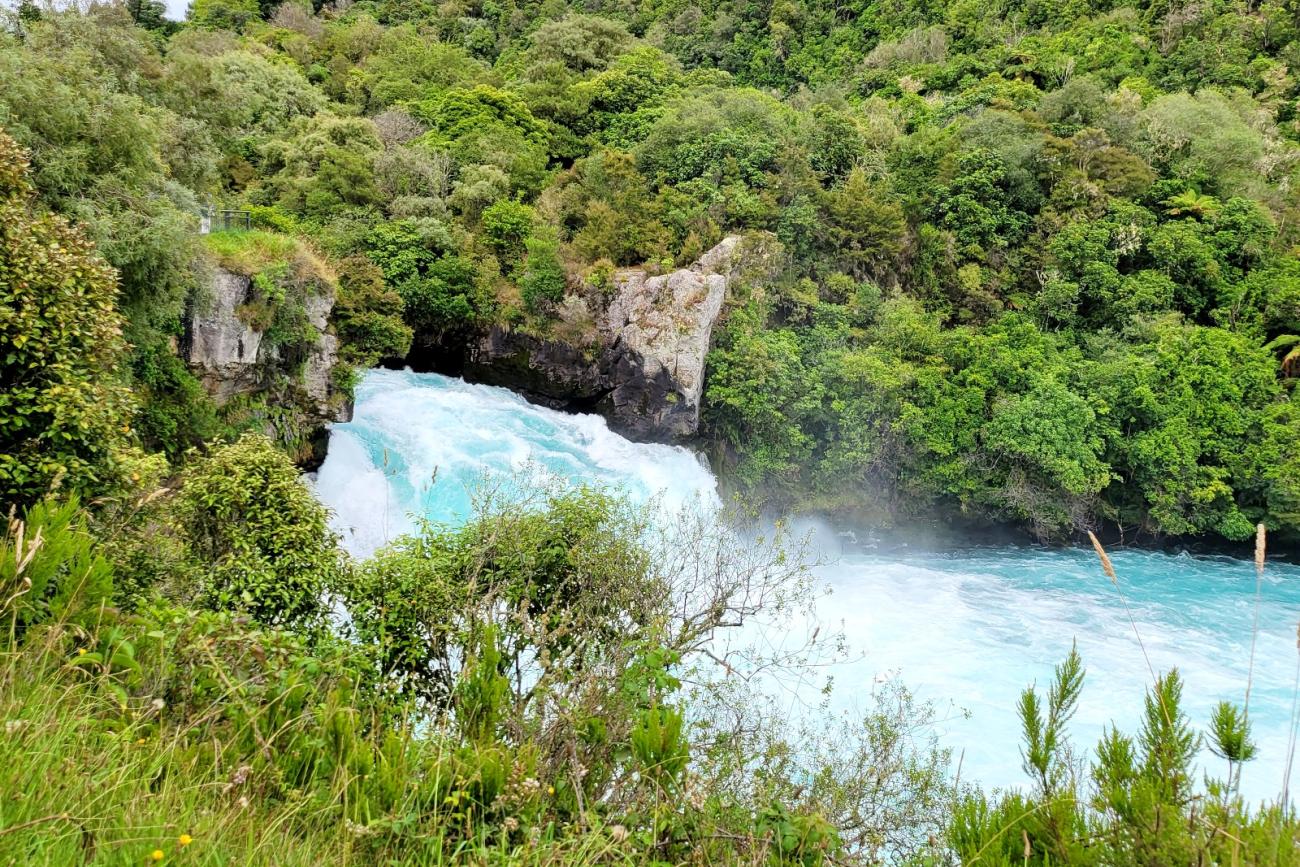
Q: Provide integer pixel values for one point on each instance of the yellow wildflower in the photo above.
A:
(156, 855)
(550, 790)
(185, 840)
(81, 651)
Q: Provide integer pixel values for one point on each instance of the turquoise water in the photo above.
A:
(978, 626)
(420, 444)
(967, 630)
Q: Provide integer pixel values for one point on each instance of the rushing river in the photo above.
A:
(967, 630)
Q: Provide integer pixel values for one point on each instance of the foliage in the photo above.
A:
(553, 723)
(543, 279)
(63, 415)
(323, 165)
(513, 688)
(1122, 178)
(108, 156)
(439, 289)
(50, 568)
(1135, 803)
(368, 315)
(1039, 266)
(258, 535)
(176, 414)
(507, 227)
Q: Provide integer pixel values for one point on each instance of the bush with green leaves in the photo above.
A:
(542, 279)
(51, 568)
(513, 686)
(106, 155)
(1109, 170)
(64, 414)
(507, 227)
(1136, 802)
(368, 315)
(258, 535)
(570, 566)
(176, 413)
(323, 165)
(560, 625)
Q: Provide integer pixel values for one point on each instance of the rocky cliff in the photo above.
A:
(227, 346)
(642, 364)
(222, 349)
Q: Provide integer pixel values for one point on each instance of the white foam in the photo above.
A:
(441, 437)
(977, 631)
(971, 629)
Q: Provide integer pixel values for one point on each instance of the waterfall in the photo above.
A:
(967, 630)
(420, 445)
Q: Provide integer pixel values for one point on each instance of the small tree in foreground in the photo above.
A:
(258, 536)
(64, 418)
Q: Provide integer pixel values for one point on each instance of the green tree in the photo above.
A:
(485, 125)
(543, 280)
(224, 14)
(258, 536)
(507, 226)
(105, 157)
(608, 204)
(1003, 428)
(64, 417)
(368, 315)
(865, 230)
(977, 207)
(323, 165)
(837, 144)
(759, 396)
(1194, 410)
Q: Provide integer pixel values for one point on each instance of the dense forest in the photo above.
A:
(1036, 265)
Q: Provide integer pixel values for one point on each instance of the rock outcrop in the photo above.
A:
(315, 377)
(642, 363)
(220, 348)
(232, 357)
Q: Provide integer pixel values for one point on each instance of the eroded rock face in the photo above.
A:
(221, 349)
(231, 358)
(662, 328)
(642, 365)
(321, 358)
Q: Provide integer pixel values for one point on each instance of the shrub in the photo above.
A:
(543, 280)
(507, 226)
(1135, 803)
(368, 315)
(259, 535)
(176, 413)
(50, 569)
(64, 418)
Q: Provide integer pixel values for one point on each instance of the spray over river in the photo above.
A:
(967, 629)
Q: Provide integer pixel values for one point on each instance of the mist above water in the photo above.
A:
(967, 630)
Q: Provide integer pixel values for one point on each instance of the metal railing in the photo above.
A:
(220, 219)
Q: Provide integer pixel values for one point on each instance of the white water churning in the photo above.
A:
(970, 628)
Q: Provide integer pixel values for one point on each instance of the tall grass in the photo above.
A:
(87, 781)
(1109, 569)
(1293, 733)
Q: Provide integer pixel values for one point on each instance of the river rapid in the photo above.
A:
(965, 629)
